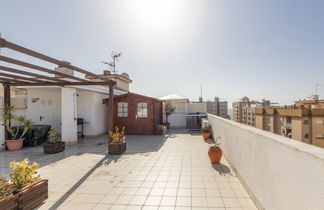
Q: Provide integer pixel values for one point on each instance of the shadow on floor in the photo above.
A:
(104, 161)
(222, 169)
(95, 145)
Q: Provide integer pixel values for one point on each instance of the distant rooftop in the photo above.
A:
(173, 97)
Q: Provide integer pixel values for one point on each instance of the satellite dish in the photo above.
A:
(125, 75)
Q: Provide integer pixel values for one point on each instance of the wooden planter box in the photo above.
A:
(117, 149)
(9, 203)
(54, 148)
(32, 195)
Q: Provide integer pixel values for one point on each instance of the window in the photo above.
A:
(305, 122)
(306, 136)
(142, 110)
(122, 109)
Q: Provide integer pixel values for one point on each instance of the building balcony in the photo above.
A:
(279, 173)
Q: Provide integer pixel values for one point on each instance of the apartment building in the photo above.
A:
(244, 110)
(303, 121)
(217, 107)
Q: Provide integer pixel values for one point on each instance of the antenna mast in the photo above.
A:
(200, 98)
(115, 57)
(316, 91)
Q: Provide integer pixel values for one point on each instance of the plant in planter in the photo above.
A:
(16, 141)
(30, 188)
(206, 131)
(168, 109)
(215, 152)
(117, 143)
(7, 199)
(162, 130)
(54, 143)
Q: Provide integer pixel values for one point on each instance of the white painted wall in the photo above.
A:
(178, 118)
(48, 107)
(281, 173)
(93, 112)
(69, 115)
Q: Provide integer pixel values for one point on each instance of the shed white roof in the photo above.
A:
(173, 97)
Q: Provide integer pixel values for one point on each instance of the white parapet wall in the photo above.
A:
(279, 172)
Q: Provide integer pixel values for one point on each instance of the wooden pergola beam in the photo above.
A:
(39, 68)
(12, 70)
(25, 78)
(35, 54)
(4, 80)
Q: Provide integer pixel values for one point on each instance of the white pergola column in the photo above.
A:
(69, 116)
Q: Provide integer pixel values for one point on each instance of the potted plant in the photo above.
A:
(215, 152)
(206, 131)
(117, 143)
(168, 109)
(31, 189)
(7, 199)
(16, 134)
(162, 130)
(54, 143)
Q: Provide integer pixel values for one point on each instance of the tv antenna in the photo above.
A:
(316, 88)
(115, 57)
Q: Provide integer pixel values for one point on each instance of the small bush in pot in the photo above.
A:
(215, 152)
(54, 143)
(30, 188)
(117, 143)
(206, 131)
(7, 199)
(162, 130)
(16, 141)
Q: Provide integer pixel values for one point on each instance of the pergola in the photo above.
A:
(16, 77)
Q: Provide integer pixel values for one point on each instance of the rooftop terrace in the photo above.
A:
(258, 170)
(156, 172)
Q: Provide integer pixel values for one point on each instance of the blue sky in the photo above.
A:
(261, 49)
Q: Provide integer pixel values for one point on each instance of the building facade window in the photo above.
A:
(306, 136)
(305, 122)
(122, 109)
(142, 110)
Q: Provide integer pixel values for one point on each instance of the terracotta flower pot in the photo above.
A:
(215, 154)
(205, 135)
(14, 145)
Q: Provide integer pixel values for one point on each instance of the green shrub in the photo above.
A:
(23, 174)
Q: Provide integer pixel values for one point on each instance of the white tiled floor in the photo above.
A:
(155, 173)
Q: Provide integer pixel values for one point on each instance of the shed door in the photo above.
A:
(142, 118)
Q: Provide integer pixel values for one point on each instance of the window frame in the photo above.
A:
(124, 109)
(141, 108)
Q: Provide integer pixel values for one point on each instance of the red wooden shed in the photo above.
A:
(141, 115)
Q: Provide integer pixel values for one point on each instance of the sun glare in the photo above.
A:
(155, 14)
